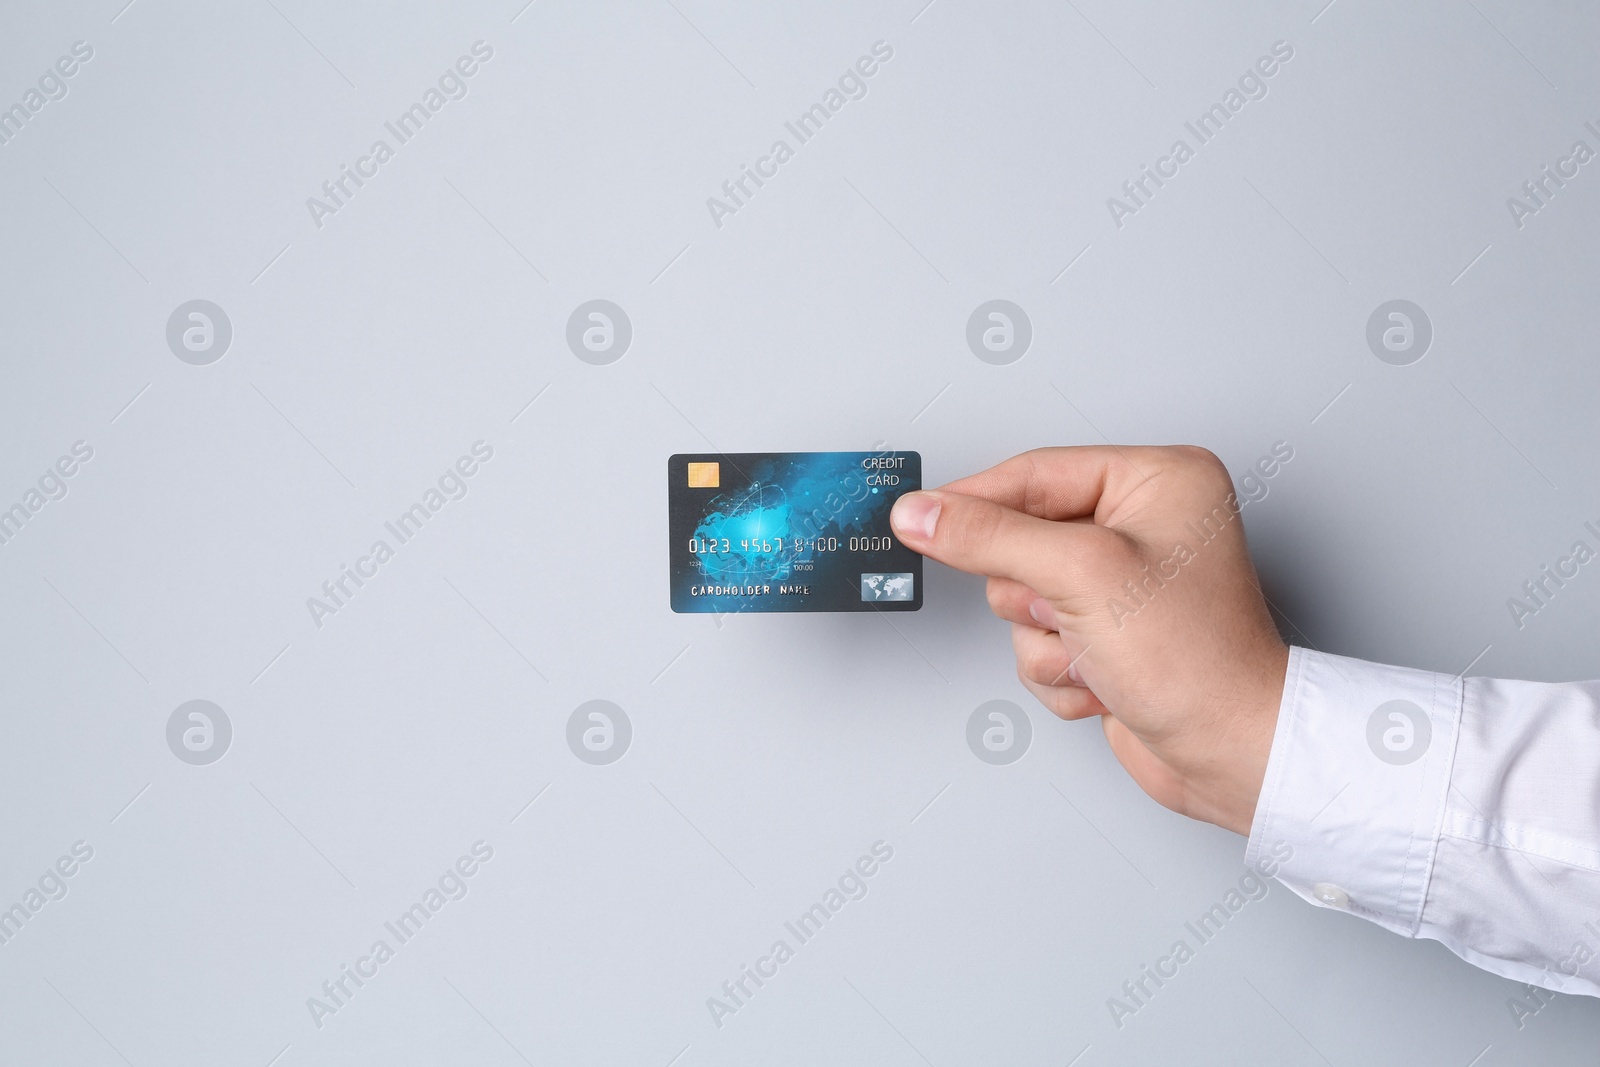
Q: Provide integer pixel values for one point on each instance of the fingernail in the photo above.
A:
(1043, 612)
(915, 515)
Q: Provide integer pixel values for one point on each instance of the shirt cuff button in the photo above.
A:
(1330, 895)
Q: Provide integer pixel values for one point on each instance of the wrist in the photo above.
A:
(1258, 722)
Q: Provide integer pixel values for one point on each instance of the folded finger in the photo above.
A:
(1052, 483)
(1067, 701)
(1042, 658)
(1010, 600)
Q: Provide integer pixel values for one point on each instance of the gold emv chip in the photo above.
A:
(705, 475)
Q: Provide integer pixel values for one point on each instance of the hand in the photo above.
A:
(1126, 579)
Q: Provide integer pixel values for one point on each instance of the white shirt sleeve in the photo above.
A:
(1466, 811)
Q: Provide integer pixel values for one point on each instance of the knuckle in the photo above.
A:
(995, 594)
(1202, 461)
(1040, 691)
(1039, 662)
(1035, 479)
(1023, 650)
(1033, 664)
(1062, 703)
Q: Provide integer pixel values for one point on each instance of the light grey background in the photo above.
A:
(830, 312)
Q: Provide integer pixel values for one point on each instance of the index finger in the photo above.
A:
(979, 536)
(1066, 482)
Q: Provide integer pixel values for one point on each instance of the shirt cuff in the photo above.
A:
(1353, 803)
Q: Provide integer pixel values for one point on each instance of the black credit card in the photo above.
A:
(790, 531)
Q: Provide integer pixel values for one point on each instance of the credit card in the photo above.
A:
(790, 531)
